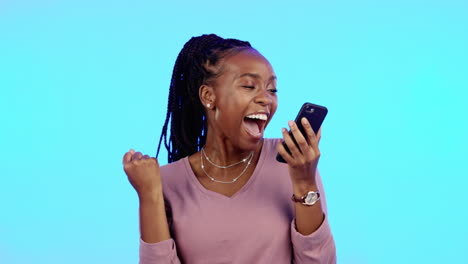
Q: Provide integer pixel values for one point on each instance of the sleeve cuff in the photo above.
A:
(156, 251)
(317, 237)
(318, 247)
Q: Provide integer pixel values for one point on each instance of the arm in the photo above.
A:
(316, 246)
(153, 221)
(310, 233)
(156, 245)
(308, 218)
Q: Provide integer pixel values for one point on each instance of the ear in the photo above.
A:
(207, 96)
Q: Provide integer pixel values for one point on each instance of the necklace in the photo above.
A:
(227, 166)
(231, 181)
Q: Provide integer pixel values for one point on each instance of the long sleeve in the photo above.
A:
(255, 225)
(318, 247)
(163, 252)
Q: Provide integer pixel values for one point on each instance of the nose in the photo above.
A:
(264, 97)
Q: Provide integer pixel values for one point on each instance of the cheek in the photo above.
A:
(274, 104)
(230, 113)
(233, 102)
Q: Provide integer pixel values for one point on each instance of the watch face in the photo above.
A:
(311, 197)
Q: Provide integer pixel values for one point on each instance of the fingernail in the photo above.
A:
(284, 129)
(290, 123)
(304, 120)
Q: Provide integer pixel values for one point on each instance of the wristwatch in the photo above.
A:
(308, 199)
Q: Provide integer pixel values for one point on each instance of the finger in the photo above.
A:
(294, 151)
(137, 156)
(155, 160)
(319, 134)
(302, 144)
(308, 146)
(146, 157)
(127, 158)
(311, 137)
(283, 152)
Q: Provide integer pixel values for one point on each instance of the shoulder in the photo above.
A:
(173, 165)
(177, 180)
(174, 172)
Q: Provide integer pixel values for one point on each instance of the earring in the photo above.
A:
(208, 105)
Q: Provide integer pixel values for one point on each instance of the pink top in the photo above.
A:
(255, 225)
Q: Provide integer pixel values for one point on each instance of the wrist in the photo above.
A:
(299, 189)
(151, 197)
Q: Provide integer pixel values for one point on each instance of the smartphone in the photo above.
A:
(315, 114)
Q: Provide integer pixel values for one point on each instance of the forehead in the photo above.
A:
(247, 61)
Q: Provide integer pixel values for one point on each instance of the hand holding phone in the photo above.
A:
(315, 114)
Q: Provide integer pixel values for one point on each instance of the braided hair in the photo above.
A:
(195, 66)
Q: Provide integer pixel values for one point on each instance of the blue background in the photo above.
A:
(84, 81)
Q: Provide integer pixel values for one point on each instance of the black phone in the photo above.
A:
(315, 114)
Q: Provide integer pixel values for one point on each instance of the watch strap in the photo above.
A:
(302, 199)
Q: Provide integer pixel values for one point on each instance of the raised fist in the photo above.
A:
(143, 173)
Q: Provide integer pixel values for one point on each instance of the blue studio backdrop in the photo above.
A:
(81, 82)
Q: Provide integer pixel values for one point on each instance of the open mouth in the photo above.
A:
(255, 124)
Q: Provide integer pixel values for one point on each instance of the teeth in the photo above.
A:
(258, 116)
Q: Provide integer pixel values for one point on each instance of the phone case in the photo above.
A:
(315, 114)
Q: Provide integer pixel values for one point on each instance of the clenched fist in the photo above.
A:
(143, 173)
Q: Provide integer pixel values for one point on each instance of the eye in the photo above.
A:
(273, 90)
(248, 86)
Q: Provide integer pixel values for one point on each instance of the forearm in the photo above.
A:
(308, 218)
(153, 221)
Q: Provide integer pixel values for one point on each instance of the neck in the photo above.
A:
(223, 152)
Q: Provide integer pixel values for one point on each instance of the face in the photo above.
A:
(244, 99)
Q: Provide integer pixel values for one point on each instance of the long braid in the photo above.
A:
(184, 109)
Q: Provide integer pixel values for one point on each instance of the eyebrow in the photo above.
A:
(255, 76)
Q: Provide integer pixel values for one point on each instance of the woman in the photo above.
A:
(223, 197)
